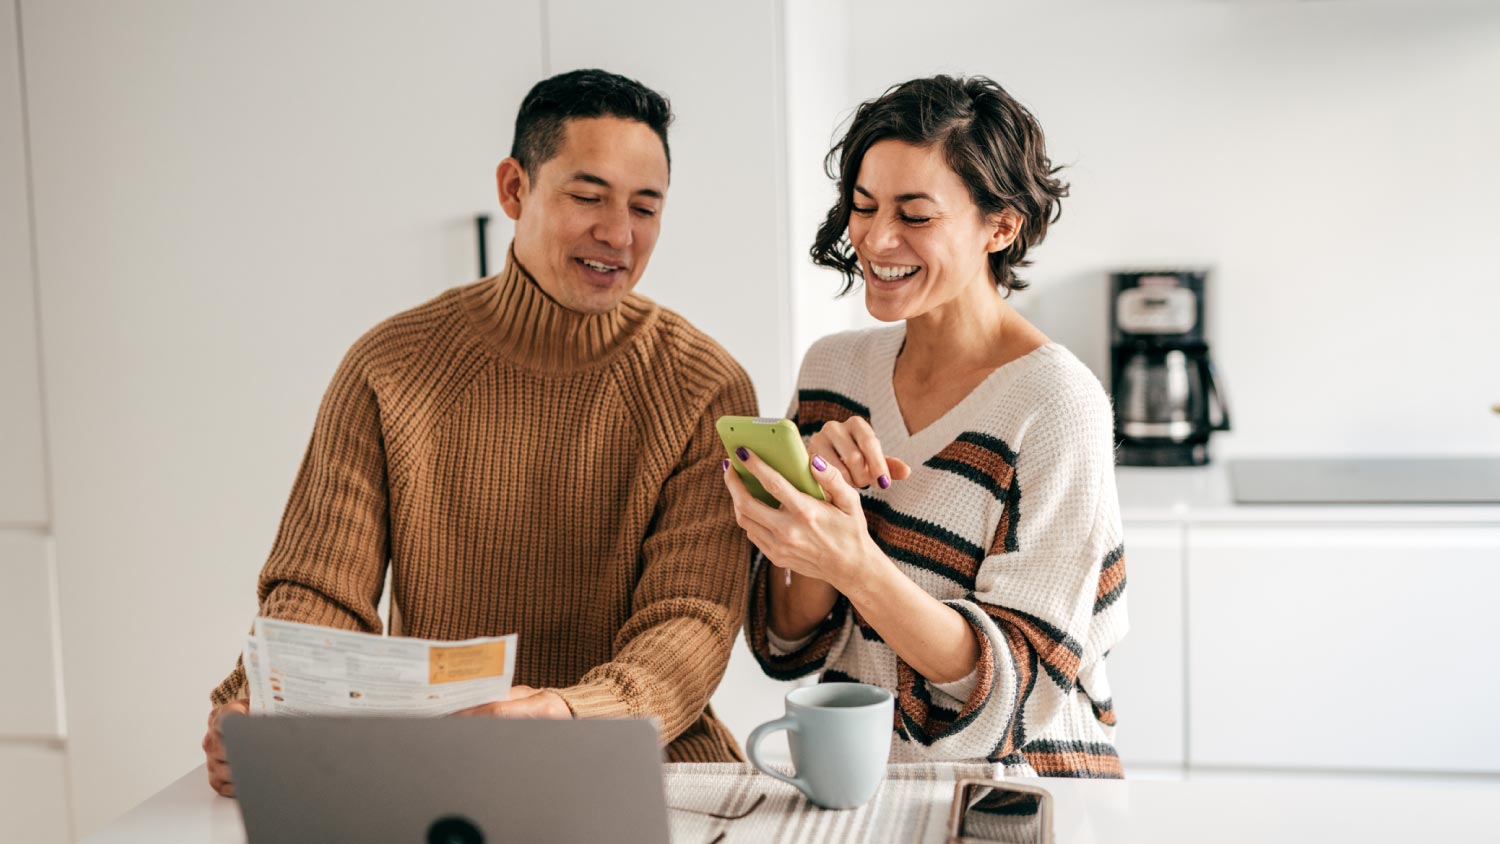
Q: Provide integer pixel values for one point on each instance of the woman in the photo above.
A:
(969, 554)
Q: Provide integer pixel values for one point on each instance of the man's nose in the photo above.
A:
(613, 228)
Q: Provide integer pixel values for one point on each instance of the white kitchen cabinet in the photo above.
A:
(28, 643)
(1366, 646)
(23, 493)
(33, 802)
(1146, 669)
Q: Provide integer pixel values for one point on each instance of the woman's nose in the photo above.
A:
(882, 236)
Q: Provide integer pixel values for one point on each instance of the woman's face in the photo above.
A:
(920, 239)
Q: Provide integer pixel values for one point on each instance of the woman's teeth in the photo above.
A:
(596, 266)
(893, 273)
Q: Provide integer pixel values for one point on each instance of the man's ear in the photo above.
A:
(514, 186)
(1005, 227)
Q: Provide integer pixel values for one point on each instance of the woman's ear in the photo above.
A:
(514, 186)
(1004, 227)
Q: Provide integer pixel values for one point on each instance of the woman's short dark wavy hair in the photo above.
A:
(989, 139)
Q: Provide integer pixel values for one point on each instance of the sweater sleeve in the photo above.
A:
(819, 648)
(327, 565)
(688, 605)
(1036, 591)
(812, 654)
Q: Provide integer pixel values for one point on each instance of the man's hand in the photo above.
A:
(213, 747)
(524, 702)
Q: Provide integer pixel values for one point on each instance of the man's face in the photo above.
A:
(586, 224)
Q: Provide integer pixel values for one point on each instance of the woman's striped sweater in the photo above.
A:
(1010, 517)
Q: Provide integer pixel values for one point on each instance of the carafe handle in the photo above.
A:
(1216, 400)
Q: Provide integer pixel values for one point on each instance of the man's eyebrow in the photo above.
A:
(905, 197)
(585, 176)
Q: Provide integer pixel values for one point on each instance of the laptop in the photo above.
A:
(447, 780)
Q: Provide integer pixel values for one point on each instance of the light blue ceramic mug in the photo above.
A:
(840, 735)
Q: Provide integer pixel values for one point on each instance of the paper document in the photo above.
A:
(304, 669)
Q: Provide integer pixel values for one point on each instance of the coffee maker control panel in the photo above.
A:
(1156, 309)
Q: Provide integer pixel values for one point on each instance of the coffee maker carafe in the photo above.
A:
(1167, 401)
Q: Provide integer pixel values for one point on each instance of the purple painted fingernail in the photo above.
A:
(726, 464)
(742, 453)
(885, 483)
(819, 463)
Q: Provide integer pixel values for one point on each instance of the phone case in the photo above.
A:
(778, 443)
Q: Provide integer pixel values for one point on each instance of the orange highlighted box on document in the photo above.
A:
(456, 663)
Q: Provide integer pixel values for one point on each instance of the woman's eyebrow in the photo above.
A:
(905, 197)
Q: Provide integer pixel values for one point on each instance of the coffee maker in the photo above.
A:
(1167, 400)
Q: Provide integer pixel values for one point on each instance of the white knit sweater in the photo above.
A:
(1010, 517)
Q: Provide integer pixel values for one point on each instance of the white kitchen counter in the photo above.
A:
(1201, 495)
(1086, 811)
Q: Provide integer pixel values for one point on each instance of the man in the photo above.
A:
(535, 453)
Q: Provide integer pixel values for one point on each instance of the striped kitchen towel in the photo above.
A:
(912, 805)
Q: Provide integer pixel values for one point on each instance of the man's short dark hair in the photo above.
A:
(988, 138)
(552, 102)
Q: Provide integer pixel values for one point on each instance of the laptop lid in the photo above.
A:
(447, 780)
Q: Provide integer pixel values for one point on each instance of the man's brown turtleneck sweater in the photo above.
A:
(529, 469)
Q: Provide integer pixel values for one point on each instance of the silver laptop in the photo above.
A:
(447, 780)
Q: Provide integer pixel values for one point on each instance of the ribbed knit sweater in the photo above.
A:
(1010, 517)
(528, 469)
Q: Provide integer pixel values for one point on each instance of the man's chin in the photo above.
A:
(596, 300)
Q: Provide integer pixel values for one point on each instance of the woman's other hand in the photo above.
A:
(852, 449)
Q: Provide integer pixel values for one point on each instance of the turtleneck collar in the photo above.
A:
(521, 323)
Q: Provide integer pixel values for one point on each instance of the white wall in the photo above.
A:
(33, 747)
(23, 487)
(1333, 162)
(822, 98)
(226, 197)
(721, 260)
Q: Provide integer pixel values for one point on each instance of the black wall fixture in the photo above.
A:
(482, 226)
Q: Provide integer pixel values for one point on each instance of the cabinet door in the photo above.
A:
(33, 804)
(28, 624)
(1368, 647)
(23, 498)
(1145, 670)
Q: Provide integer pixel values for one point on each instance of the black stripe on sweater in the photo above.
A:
(1107, 573)
(947, 538)
(997, 480)
(812, 410)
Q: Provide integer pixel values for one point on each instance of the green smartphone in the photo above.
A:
(778, 443)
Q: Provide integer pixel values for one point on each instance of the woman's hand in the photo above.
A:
(853, 450)
(826, 540)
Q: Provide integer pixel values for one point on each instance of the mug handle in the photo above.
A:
(752, 749)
